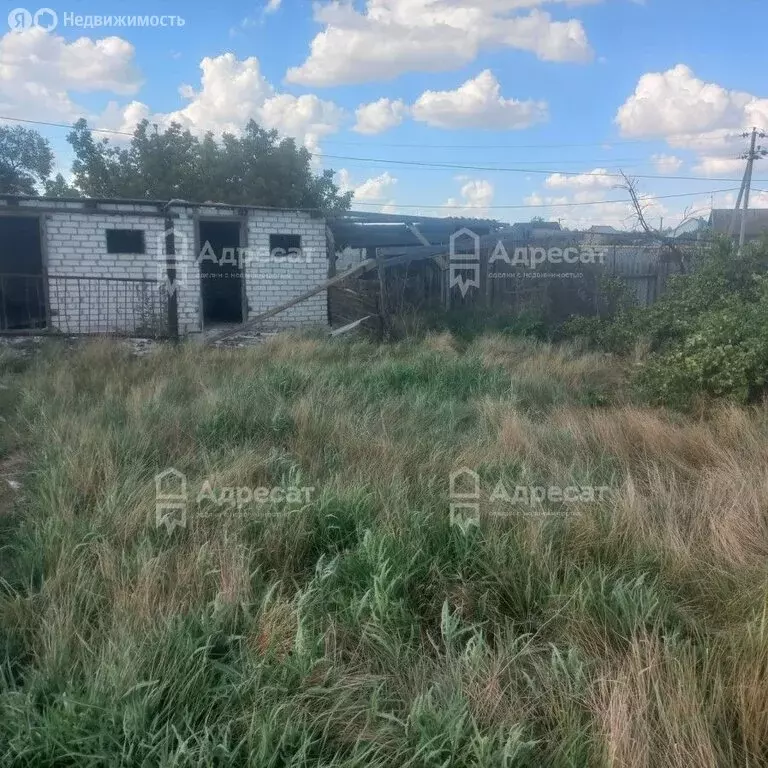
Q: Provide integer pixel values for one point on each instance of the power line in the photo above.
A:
(470, 167)
(605, 143)
(490, 169)
(442, 166)
(63, 125)
(554, 205)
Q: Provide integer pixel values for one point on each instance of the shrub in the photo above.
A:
(708, 335)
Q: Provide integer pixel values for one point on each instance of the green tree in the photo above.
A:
(26, 161)
(255, 168)
(59, 187)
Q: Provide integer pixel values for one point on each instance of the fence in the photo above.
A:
(75, 304)
(502, 286)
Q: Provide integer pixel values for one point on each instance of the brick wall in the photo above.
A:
(272, 281)
(76, 245)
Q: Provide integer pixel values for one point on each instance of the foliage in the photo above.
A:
(468, 324)
(707, 336)
(362, 629)
(58, 187)
(255, 168)
(26, 161)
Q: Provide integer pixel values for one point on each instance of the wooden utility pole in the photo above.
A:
(755, 153)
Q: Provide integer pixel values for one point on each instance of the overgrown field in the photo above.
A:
(358, 626)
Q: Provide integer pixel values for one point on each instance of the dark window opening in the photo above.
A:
(125, 241)
(283, 246)
(221, 282)
(22, 288)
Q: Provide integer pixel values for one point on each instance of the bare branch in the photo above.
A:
(630, 185)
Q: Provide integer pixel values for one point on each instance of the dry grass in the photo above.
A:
(361, 628)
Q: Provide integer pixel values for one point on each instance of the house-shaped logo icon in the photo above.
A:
(171, 499)
(464, 266)
(464, 490)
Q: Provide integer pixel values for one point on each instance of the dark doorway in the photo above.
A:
(221, 282)
(22, 285)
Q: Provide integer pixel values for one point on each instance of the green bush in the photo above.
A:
(707, 336)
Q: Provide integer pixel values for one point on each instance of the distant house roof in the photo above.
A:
(600, 229)
(757, 221)
(534, 227)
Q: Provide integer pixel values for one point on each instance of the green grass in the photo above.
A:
(359, 627)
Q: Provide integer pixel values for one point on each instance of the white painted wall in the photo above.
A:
(76, 245)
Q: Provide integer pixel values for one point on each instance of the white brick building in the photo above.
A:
(102, 266)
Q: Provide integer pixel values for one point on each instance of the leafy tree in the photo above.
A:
(58, 187)
(256, 168)
(26, 160)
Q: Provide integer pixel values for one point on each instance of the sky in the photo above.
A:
(504, 109)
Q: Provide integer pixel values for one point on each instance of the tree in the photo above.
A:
(256, 168)
(59, 188)
(673, 251)
(26, 161)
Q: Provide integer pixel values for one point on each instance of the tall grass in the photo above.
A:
(360, 627)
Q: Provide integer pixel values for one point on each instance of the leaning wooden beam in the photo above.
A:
(363, 266)
(351, 326)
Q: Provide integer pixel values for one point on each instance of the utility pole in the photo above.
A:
(755, 153)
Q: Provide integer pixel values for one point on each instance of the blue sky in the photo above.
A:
(565, 93)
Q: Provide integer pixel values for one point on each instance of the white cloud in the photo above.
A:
(272, 6)
(720, 166)
(692, 114)
(676, 102)
(667, 164)
(599, 178)
(373, 190)
(39, 71)
(123, 119)
(592, 209)
(476, 198)
(379, 116)
(233, 91)
(391, 37)
(477, 103)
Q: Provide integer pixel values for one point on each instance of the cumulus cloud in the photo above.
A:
(476, 196)
(233, 91)
(390, 37)
(477, 103)
(667, 164)
(374, 190)
(593, 208)
(39, 71)
(379, 116)
(599, 178)
(676, 102)
(692, 114)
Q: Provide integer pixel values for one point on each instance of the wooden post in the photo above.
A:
(383, 309)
